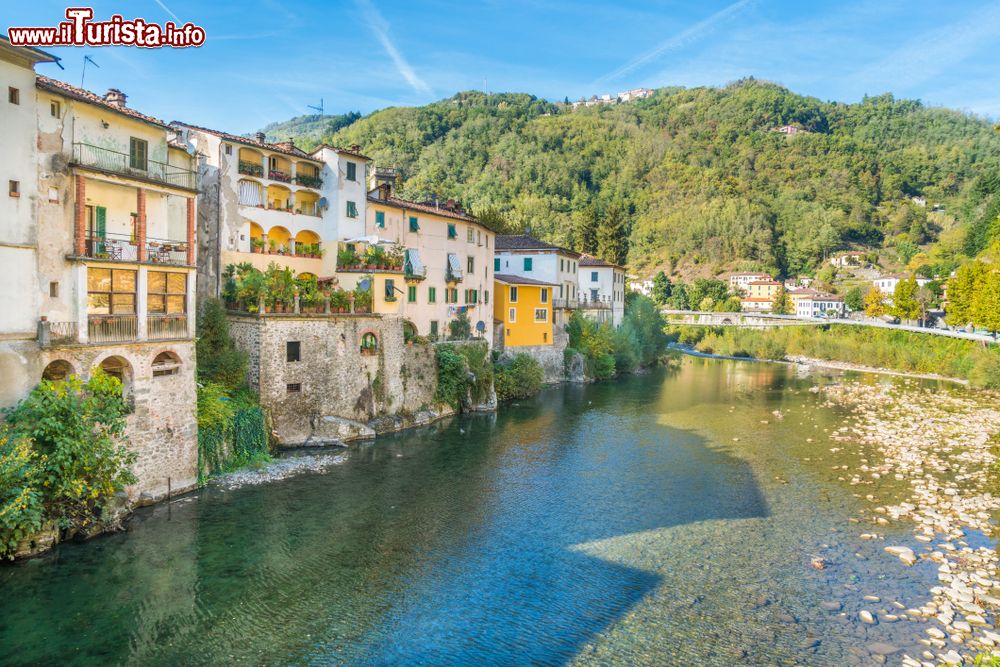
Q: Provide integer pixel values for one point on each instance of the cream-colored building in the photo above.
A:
(267, 202)
(448, 265)
(763, 289)
(98, 245)
(739, 282)
(602, 290)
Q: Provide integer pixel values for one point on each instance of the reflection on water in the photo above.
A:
(658, 519)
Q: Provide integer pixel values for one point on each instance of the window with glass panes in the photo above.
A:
(138, 153)
(352, 171)
(470, 265)
(166, 293)
(111, 291)
(380, 219)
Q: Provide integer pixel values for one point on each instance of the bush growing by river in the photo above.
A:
(897, 350)
(465, 374)
(638, 342)
(63, 456)
(519, 377)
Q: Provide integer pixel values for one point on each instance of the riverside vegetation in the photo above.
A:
(902, 351)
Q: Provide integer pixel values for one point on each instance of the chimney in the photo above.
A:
(261, 137)
(115, 98)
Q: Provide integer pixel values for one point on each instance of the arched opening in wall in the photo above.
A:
(307, 243)
(306, 202)
(251, 162)
(118, 367)
(369, 343)
(250, 192)
(256, 234)
(279, 197)
(409, 331)
(278, 239)
(166, 363)
(57, 371)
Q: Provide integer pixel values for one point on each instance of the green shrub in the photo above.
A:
(453, 382)
(219, 361)
(519, 377)
(76, 432)
(21, 500)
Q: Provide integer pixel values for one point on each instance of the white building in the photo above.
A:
(819, 305)
(267, 202)
(602, 289)
(527, 257)
(739, 282)
(887, 284)
(644, 287)
(846, 259)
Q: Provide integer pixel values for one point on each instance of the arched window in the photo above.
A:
(166, 363)
(57, 371)
(409, 331)
(120, 368)
(369, 343)
(250, 192)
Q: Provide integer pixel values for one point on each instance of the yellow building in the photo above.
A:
(763, 289)
(524, 307)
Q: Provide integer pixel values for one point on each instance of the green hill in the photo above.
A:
(696, 180)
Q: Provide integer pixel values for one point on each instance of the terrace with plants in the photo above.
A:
(278, 290)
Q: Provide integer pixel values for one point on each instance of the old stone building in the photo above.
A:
(97, 243)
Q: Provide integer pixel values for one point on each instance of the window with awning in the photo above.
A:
(454, 266)
(414, 265)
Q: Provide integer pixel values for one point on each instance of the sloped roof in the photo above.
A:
(426, 208)
(527, 242)
(590, 260)
(511, 279)
(63, 88)
(346, 151)
(282, 147)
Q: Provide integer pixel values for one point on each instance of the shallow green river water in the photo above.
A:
(610, 524)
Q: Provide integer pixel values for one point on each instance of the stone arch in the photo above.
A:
(166, 363)
(119, 367)
(278, 237)
(58, 370)
(409, 330)
(369, 342)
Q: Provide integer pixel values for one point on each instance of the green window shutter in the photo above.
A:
(100, 223)
(352, 210)
(496, 263)
(352, 171)
(390, 290)
(414, 227)
(527, 263)
(380, 219)
(452, 232)
(431, 295)
(411, 293)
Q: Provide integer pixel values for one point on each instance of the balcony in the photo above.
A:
(278, 175)
(595, 305)
(124, 248)
(160, 327)
(112, 328)
(110, 161)
(309, 181)
(565, 304)
(251, 168)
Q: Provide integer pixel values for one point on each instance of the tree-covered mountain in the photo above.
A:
(698, 180)
(311, 129)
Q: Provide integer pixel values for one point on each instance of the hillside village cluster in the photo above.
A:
(117, 225)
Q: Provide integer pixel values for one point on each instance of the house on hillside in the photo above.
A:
(739, 282)
(844, 260)
(887, 284)
(819, 304)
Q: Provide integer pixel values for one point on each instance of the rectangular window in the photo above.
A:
(390, 290)
(470, 265)
(545, 295)
(111, 291)
(54, 290)
(512, 315)
(496, 263)
(138, 153)
(14, 188)
(452, 231)
(411, 293)
(380, 219)
(352, 171)
(414, 225)
(54, 109)
(352, 210)
(431, 295)
(470, 237)
(166, 293)
(454, 294)
(13, 95)
(561, 263)
(527, 263)
(293, 351)
(486, 296)
(229, 149)
(513, 295)
(593, 276)
(541, 314)
(434, 327)
(293, 387)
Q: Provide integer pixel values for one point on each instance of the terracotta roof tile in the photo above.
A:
(283, 147)
(63, 88)
(426, 208)
(590, 260)
(511, 279)
(526, 242)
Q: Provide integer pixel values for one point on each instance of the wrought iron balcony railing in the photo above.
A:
(105, 159)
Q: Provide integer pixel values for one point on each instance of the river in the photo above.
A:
(666, 518)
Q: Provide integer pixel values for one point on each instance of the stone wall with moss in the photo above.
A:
(336, 391)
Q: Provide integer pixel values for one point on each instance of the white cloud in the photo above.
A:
(380, 27)
(681, 39)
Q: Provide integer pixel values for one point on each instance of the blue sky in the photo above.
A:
(266, 60)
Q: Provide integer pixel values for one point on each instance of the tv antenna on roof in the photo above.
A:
(87, 59)
(319, 108)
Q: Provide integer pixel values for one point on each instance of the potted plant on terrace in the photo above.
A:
(394, 258)
(347, 258)
(363, 299)
(310, 298)
(280, 287)
(257, 245)
(339, 301)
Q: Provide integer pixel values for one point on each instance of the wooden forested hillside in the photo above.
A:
(697, 180)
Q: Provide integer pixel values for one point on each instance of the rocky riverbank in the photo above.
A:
(943, 445)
